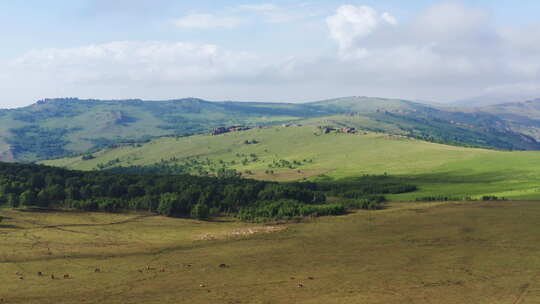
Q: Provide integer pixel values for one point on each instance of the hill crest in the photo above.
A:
(58, 127)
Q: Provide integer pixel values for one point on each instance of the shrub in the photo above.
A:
(86, 205)
(370, 203)
(442, 198)
(88, 157)
(492, 198)
(287, 209)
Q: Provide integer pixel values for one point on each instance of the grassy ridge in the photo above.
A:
(55, 128)
(437, 169)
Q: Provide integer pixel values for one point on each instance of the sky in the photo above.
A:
(282, 50)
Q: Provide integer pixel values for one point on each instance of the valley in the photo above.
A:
(340, 201)
(349, 203)
(270, 152)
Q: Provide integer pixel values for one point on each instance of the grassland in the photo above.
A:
(476, 252)
(439, 170)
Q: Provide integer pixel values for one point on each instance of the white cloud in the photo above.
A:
(389, 18)
(447, 45)
(206, 21)
(272, 13)
(350, 24)
(264, 7)
(451, 20)
(131, 62)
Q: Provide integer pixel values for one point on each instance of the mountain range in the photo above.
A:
(54, 128)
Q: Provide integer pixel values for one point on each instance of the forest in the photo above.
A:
(203, 197)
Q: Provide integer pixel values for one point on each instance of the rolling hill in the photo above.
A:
(57, 127)
(53, 128)
(298, 152)
(522, 117)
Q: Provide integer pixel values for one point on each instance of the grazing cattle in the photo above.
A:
(300, 285)
(139, 270)
(52, 277)
(97, 270)
(162, 270)
(21, 278)
(202, 285)
(39, 273)
(66, 276)
(223, 266)
(311, 278)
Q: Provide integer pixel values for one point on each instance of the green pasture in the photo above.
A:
(439, 170)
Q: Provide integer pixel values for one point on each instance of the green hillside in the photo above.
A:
(523, 117)
(363, 104)
(292, 153)
(55, 128)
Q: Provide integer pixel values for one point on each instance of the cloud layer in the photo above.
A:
(448, 51)
(206, 21)
(447, 45)
(131, 62)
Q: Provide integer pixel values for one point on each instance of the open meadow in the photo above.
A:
(295, 153)
(473, 252)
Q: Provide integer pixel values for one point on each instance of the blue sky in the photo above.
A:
(267, 50)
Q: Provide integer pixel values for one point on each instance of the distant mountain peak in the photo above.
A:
(492, 99)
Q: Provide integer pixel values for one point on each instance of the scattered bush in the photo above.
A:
(287, 209)
(441, 198)
(370, 203)
(493, 198)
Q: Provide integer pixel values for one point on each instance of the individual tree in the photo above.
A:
(72, 193)
(42, 198)
(200, 211)
(13, 200)
(167, 204)
(28, 198)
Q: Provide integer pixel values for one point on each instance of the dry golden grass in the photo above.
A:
(482, 252)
